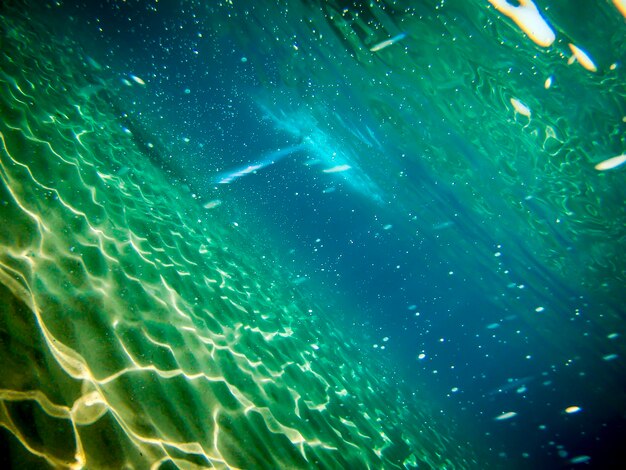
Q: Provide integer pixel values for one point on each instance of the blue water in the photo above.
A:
(474, 250)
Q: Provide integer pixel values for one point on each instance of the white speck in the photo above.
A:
(583, 58)
(520, 107)
(337, 169)
(548, 83)
(539, 309)
(212, 204)
(454, 389)
(580, 459)
(244, 60)
(497, 254)
(137, 79)
(573, 409)
(186, 140)
(385, 339)
(375, 346)
(611, 163)
(528, 18)
(387, 42)
(522, 389)
(187, 91)
(507, 415)
(315, 346)
(421, 356)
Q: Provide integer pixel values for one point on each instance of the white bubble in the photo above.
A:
(573, 409)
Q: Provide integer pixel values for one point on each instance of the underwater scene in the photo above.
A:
(300, 234)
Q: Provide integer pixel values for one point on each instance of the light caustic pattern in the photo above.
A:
(136, 336)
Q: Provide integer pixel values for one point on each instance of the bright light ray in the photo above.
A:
(270, 158)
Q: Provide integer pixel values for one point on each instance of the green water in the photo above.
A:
(151, 318)
(139, 331)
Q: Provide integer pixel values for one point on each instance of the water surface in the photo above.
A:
(312, 234)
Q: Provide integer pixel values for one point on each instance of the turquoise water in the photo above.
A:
(312, 234)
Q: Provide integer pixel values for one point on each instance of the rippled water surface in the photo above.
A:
(312, 234)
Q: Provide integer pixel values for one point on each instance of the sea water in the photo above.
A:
(433, 277)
